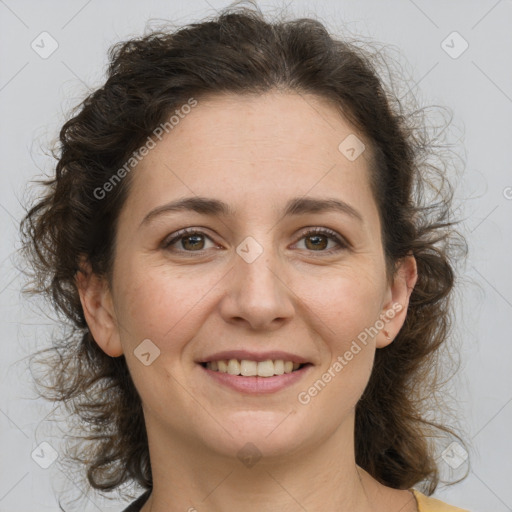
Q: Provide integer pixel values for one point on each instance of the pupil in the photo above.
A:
(317, 238)
(197, 239)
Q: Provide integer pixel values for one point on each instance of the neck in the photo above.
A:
(188, 477)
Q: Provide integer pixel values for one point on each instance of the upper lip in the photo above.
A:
(254, 356)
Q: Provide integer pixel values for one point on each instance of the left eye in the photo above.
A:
(194, 241)
(319, 239)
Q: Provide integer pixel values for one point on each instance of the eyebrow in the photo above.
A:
(217, 208)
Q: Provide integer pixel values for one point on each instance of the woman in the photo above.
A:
(237, 230)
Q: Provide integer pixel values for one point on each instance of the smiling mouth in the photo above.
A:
(247, 368)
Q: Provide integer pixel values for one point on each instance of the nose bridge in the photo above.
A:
(256, 263)
(256, 292)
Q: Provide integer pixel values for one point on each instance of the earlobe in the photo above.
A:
(395, 310)
(99, 313)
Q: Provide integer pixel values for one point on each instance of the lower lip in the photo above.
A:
(258, 385)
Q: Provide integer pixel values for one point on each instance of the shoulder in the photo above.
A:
(138, 503)
(427, 504)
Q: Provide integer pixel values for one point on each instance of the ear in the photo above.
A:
(396, 304)
(99, 312)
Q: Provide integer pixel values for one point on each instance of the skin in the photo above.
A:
(254, 153)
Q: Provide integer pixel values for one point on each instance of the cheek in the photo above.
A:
(161, 305)
(167, 309)
(345, 312)
(345, 305)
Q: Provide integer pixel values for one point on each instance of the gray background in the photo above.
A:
(35, 94)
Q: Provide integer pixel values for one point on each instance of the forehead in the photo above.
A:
(254, 147)
(280, 122)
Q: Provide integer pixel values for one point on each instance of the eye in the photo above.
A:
(191, 239)
(194, 240)
(317, 239)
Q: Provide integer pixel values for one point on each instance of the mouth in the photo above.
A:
(254, 374)
(250, 368)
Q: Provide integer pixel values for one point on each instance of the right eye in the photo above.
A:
(190, 238)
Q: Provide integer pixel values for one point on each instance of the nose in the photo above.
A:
(257, 294)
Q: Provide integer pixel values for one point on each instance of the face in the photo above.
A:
(249, 283)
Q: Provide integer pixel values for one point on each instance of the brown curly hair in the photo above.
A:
(239, 52)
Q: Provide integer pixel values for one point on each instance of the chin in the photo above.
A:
(265, 434)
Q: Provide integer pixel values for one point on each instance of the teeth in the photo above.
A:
(233, 367)
(248, 368)
(266, 369)
(279, 367)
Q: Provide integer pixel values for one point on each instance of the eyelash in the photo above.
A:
(343, 244)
